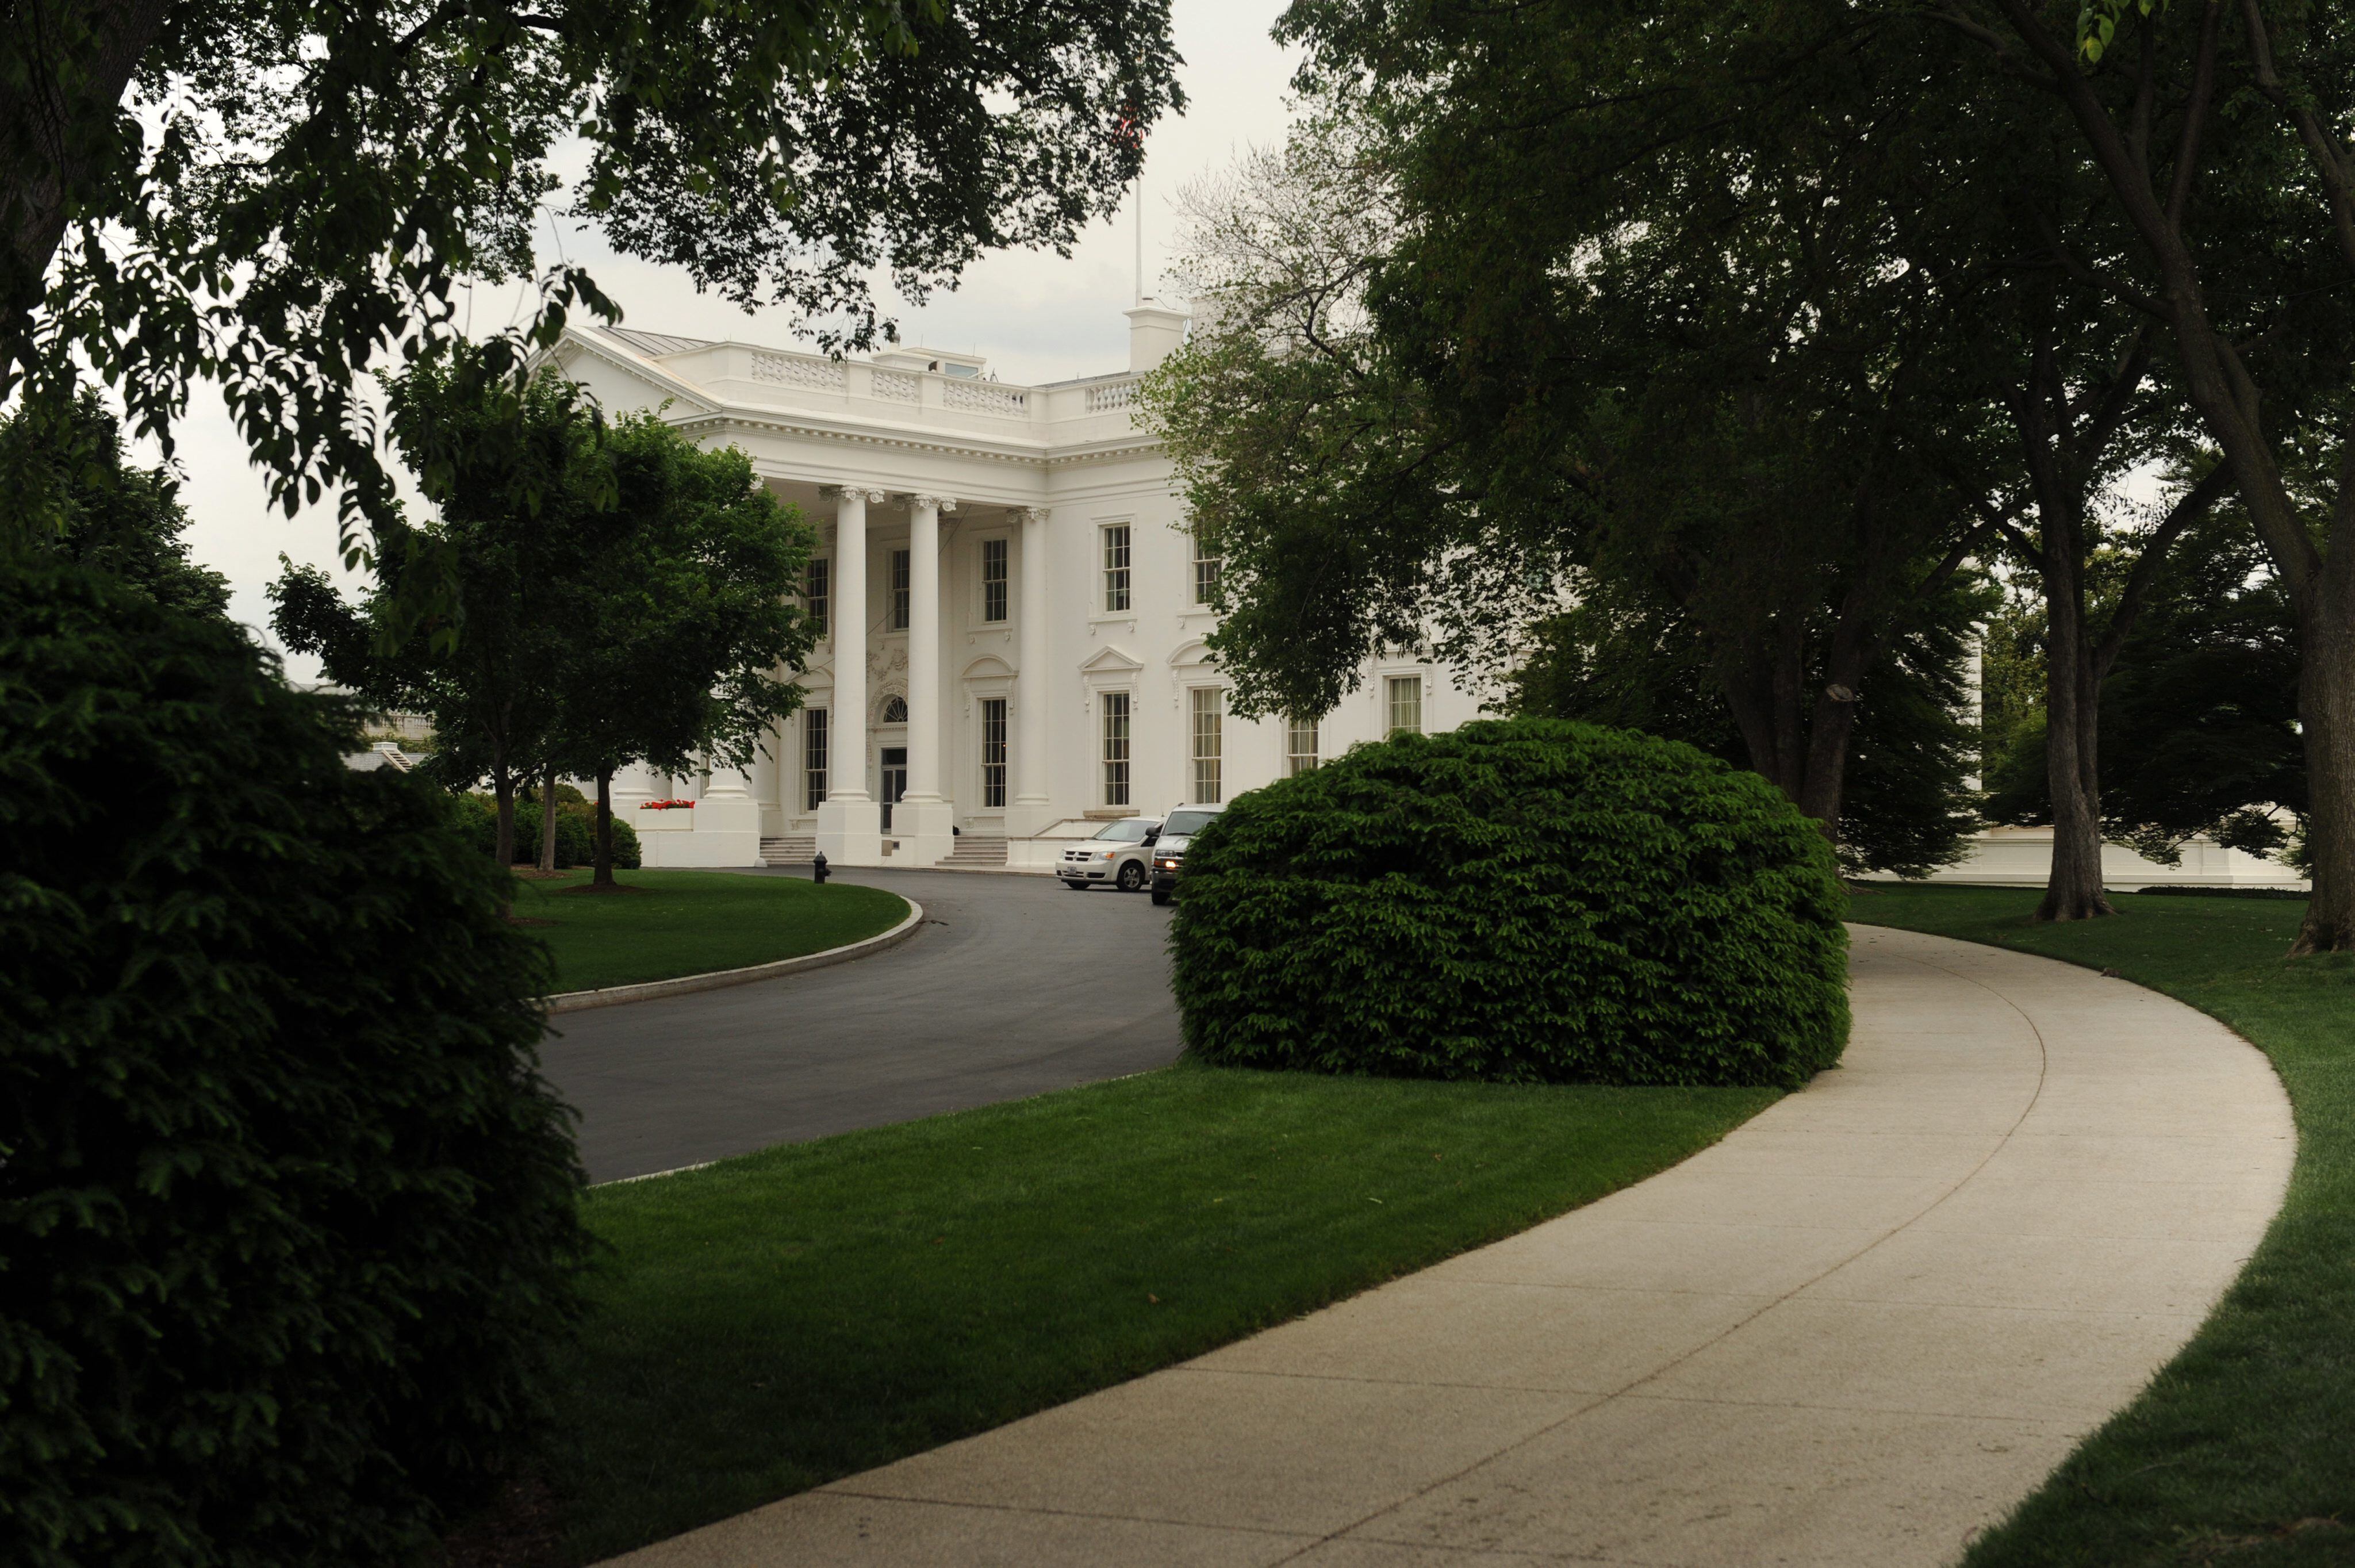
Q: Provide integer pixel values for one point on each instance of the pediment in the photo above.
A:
(619, 379)
(1110, 658)
(988, 667)
(1191, 653)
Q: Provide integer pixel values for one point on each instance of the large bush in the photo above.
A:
(1524, 900)
(287, 1217)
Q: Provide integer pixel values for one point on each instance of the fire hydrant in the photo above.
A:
(818, 868)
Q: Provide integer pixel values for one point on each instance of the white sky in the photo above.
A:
(1037, 316)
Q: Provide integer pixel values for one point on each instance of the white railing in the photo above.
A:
(896, 386)
(985, 398)
(1112, 395)
(794, 370)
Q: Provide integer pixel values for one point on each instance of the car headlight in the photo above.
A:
(1170, 865)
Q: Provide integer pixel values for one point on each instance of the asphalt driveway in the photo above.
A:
(1014, 985)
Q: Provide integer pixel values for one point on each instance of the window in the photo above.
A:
(815, 745)
(1210, 722)
(1115, 567)
(895, 711)
(993, 753)
(817, 594)
(902, 564)
(1206, 574)
(1300, 746)
(1406, 704)
(1115, 748)
(992, 580)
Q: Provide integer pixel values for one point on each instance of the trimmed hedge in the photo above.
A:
(1524, 900)
(576, 832)
(288, 1219)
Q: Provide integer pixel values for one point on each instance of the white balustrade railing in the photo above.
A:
(1112, 395)
(985, 398)
(796, 370)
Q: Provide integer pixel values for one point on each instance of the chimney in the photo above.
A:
(1155, 332)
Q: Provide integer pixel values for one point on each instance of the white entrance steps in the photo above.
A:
(1851, 1335)
(976, 853)
(792, 850)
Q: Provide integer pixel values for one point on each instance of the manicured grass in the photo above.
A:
(684, 923)
(770, 1323)
(2242, 1451)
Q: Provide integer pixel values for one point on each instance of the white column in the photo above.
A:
(850, 822)
(1031, 813)
(923, 821)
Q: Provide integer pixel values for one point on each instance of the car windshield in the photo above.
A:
(1185, 823)
(1124, 832)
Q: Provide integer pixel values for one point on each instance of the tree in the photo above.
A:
(121, 521)
(2217, 133)
(1911, 801)
(684, 621)
(1562, 309)
(290, 1218)
(279, 197)
(2200, 712)
(524, 492)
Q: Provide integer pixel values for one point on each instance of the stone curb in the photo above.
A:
(647, 991)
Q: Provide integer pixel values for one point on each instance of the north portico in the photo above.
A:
(1013, 611)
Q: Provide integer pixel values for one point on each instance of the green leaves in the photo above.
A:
(2097, 24)
(1518, 901)
(288, 1214)
(287, 199)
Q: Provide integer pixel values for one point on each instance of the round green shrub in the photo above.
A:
(1519, 901)
(288, 1218)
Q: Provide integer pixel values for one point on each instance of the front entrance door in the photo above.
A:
(895, 779)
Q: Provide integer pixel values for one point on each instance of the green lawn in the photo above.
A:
(684, 923)
(2243, 1453)
(773, 1322)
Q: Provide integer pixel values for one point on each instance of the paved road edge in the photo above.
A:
(684, 984)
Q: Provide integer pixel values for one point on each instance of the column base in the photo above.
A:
(926, 832)
(851, 832)
(727, 832)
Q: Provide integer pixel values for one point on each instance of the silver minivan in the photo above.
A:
(1180, 825)
(1119, 855)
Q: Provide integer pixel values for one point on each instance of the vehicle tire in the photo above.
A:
(1132, 877)
(1163, 895)
(1077, 887)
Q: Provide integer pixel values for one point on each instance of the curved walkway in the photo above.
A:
(1855, 1331)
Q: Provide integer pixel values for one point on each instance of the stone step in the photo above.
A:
(972, 849)
(790, 850)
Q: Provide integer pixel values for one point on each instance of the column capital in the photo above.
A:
(854, 493)
(1033, 514)
(938, 503)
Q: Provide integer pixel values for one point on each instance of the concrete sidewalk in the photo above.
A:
(1857, 1331)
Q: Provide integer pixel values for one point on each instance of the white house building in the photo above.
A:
(1014, 612)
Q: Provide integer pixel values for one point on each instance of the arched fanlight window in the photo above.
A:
(895, 711)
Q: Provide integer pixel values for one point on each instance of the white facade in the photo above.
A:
(1015, 613)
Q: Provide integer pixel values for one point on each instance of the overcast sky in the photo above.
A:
(1038, 317)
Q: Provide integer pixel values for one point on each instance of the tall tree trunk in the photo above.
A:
(2073, 890)
(56, 129)
(2326, 710)
(604, 855)
(503, 793)
(547, 820)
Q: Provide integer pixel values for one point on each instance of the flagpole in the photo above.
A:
(1140, 236)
